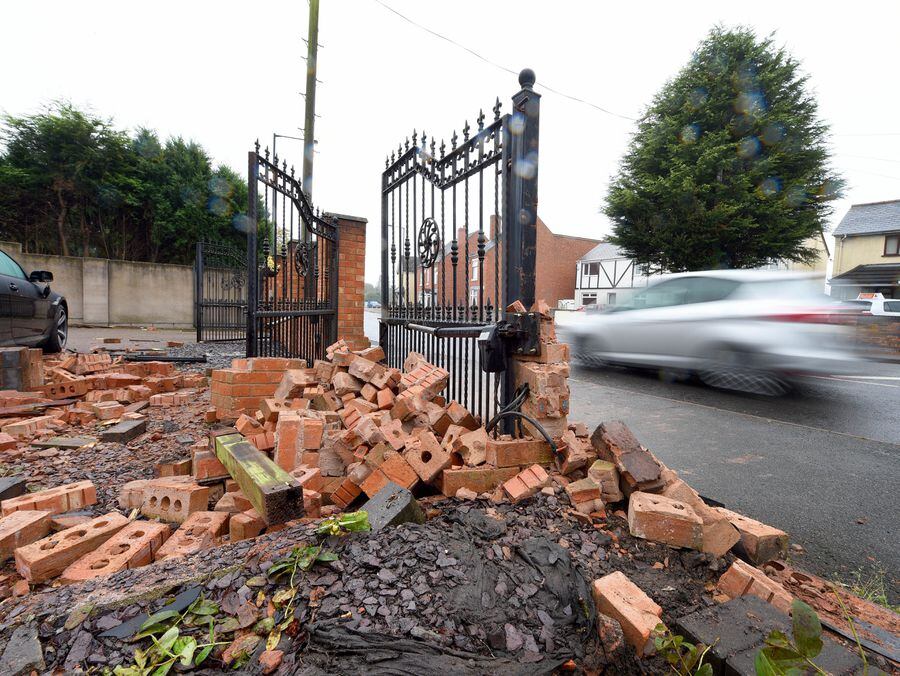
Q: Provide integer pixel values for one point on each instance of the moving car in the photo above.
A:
(876, 304)
(735, 329)
(31, 314)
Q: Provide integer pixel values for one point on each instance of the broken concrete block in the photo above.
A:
(526, 483)
(131, 547)
(200, 531)
(392, 506)
(54, 500)
(759, 543)
(741, 579)
(20, 529)
(638, 469)
(661, 519)
(508, 452)
(173, 500)
(425, 455)
(275, 494)
(605, 474)
(618, 597)
(47, 558)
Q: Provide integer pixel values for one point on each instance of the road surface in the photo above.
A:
(820, 462)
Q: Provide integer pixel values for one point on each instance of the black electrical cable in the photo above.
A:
(513, 409)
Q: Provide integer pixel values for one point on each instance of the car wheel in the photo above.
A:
(586, 351)
(733, 369)
(59, 334)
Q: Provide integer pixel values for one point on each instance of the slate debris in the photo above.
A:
(392, 506)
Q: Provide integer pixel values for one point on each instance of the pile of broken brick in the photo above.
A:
(290, 443)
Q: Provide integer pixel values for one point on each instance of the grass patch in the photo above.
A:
(869, 584)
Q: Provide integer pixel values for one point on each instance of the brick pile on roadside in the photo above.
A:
(290, 443)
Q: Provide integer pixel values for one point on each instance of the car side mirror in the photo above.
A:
(40, 276)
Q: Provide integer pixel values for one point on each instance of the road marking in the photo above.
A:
(741, 413)
(867, 377)
(855, 380)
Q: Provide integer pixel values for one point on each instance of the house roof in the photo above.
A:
(870, 219)
(603, 251)
(875, 274)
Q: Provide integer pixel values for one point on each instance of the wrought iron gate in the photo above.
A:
(458, 243)
(220, 280)
(293, 270)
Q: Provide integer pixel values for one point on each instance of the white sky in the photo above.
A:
(225, 73)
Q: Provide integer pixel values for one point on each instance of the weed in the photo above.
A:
(686, 659)
(869, 585)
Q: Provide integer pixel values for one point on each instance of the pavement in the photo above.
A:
(820, 462)
(83, 338)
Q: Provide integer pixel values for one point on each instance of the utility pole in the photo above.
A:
(310, 113)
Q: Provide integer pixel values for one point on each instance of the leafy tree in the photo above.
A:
(71, 183)
(729, 167)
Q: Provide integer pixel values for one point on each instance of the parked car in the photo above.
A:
(736, 329)
(876, 304)
(30, 313)
(373, 303)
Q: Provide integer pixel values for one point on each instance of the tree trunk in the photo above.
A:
(60, 223)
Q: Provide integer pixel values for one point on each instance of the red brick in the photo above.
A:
(618, 597)
(661, 519)
(7, 442)
(293, 382)
(741, 579)
(131, 547)
(478, 479)
(526, 483)
(200, 531)
(718, 534)
(245, 525)
(394, 434)
(509, 452)
(20, 529)
(47, 558)
(638, 469)
(759, 543)
(425, 455)
(57, 500)
(205, 465)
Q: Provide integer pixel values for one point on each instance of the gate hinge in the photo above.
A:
(522, 331)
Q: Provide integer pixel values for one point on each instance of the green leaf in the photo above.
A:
(327, 556)
(763, 665)
(778, 639)
(284, 595)
(158, 618)
(807, 629)
(167, 640)
(187, 652)
(204, 607)
(704, 670)
(163, 668)
(273, 639)
(202, 655)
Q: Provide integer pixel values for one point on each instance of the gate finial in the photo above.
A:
(527, 78)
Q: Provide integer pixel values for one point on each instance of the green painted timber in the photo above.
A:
(275, 495)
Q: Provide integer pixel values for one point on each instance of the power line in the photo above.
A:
(500, 66)
(887, 133)
(866, 157)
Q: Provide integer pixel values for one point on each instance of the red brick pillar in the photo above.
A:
(351, 281)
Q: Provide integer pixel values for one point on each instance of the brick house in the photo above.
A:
(556, 258)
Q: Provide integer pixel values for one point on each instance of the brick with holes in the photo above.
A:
(526, 483)
(173, 500)
(200, 531)
(395, 435)
(425, 455)
(20, 529)
(47, 558)
(132, 547)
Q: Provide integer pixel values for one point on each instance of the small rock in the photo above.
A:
(466, 494)
(20, 588)
(270, 660)
(514, 638)
(23, 652)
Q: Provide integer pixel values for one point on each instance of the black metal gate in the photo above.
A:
(458, 243)
(293, 270)
(220, 292)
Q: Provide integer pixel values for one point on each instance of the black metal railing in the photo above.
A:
(293, 270)
(458, 243)
(220, 292)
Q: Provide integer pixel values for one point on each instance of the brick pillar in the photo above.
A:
(351, 281)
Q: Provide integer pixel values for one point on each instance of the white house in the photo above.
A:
(606, 276)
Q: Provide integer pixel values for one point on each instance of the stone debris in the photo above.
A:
(273, 445)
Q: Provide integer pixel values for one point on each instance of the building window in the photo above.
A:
(892, 245)
(610, 299)
(588, 299)
(474, 269)
(590, 268)
(473, 295)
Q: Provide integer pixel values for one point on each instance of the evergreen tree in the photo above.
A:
(729, 167)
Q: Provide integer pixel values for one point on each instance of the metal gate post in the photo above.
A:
(198, 291)
(520, 199)
(252, 261)
(385, 270)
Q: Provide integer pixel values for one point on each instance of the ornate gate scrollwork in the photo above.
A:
(302, 256)
(429, 242)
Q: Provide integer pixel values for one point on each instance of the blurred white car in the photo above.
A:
(736, 329)
(877, 304)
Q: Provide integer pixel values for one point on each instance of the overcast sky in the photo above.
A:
(226, 73)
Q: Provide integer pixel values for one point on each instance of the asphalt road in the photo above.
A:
(820, 462)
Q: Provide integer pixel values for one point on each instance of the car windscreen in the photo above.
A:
(785, 289)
